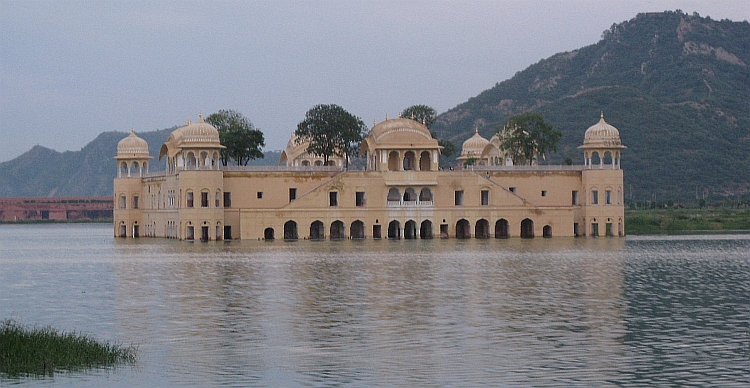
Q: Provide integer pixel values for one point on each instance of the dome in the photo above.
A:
(197, 133)
(475, 145)
(132, 147)
(401, 131)
(602, 134)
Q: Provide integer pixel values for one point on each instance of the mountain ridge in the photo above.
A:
(677, 87)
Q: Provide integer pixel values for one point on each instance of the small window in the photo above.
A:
(333, 198)
(217, 200)
(574, 197)
(123, 202)
(227, 199)
(292, 194)
(260, 195)
(544, 193)
(608, 197)
(512, 189)
(594, 197)
(459, 197)
(135, 202)
(204, 199)
(190, 199)
(485, 197)
(360, 198)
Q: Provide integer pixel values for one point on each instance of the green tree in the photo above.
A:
(237, 133)
(421, 113)
(526, 136)
(331, 131)
(427, 116)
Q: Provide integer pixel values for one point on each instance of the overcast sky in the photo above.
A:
(70, 70)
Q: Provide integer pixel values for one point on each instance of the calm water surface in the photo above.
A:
(664, 311)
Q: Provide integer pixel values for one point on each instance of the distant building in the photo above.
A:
(400, 193)
(55, 208)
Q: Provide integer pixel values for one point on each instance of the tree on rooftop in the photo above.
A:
(527, 136)
(331, 131)
(237, 133)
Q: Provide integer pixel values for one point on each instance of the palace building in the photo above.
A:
(400, 193)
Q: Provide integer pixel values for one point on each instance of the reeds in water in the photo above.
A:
(42, 351)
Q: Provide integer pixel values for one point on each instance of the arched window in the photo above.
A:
(547, 231)
(409, 160)
(425, 194)
(190, 161)
(123, 170)
(394, 195)
(268, 234)
(410, 195)
(306, 163)
(393, 161)
(424, 161)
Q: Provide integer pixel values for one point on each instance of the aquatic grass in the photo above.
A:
(43, 351)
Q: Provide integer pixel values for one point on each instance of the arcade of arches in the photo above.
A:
(410, 230)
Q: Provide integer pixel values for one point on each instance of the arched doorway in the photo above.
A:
(501, 228)
(527, 228)
(424, 161)
(425, 230)
(394, 230)
(410, 230)
(463, 229)
(268, 234)
(317, 231)
(482, 229)
(357, 230)
(338, 230)
(547, 231)
(290, 230)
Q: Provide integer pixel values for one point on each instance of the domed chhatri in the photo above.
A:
(400, 145)
(132, 147)
(195, 145)
(601, 146)
(132, 156)
(473, 147)
(602, 134)
(199, 132)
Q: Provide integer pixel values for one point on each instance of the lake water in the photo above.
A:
(636, 311)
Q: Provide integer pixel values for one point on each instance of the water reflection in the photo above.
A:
(541, 312)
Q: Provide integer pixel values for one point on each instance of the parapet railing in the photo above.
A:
(283, 168)
(546, 167)
(410, 203)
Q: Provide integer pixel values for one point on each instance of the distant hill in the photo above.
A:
(677, 87)
(42, 172)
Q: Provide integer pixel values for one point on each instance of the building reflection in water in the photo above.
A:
(388, 312)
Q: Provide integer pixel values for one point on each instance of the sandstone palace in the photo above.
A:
(400, 193)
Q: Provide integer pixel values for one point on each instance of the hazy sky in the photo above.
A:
(70, 70)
